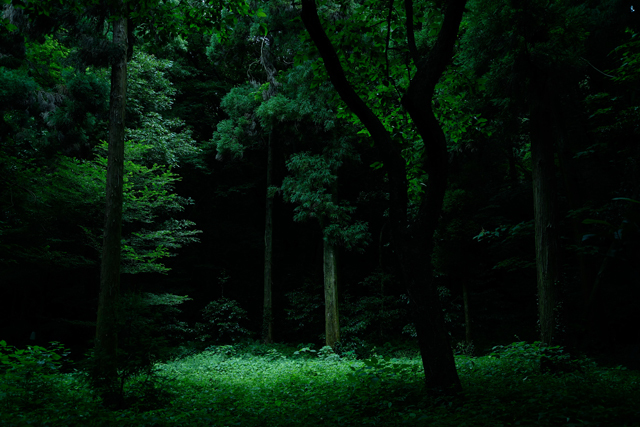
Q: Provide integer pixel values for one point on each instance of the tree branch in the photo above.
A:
(417, 102)
(394, 163)
(311, 21)
(411, 40)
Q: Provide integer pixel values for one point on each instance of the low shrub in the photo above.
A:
(29, 376)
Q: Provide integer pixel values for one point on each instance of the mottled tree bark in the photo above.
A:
(106, 344)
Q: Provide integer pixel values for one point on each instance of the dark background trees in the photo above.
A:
(201, 110)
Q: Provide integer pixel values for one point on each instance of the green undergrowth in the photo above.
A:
(521, 384)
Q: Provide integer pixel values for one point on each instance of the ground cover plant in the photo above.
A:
(250, 384)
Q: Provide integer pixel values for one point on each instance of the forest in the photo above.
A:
(319, 212)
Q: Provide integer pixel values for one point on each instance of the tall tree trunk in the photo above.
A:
(331, 311)
(267, 313)
(331, 281)
(106, 344)
(545, 218)
(413, 246)
(267, 317)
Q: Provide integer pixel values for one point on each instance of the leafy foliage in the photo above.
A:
(310, 187)
(305, 308)
(148, 238)
(29, 376)
(223, 318)
(240, 387)
(377, 317)
(148, 333)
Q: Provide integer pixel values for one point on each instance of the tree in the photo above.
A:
(276, 107)
(266, 59)
(412, 240)
(541, 67)
(106, 334)
(115, 53)
(313, 187)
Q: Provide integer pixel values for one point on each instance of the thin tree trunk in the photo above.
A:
(467, 313)
(267, 317)
(331, 281)
(331, 310)
(106, 326)
(544, 194)
(267, 313)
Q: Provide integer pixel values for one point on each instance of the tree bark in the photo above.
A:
(545, 218)
(412, 243)
(433, 339)
(267, 316)
(331, 280)
(331, 308)
(267, 312)
(106, 344)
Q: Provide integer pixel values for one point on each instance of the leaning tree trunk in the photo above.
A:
(544, 194)
(435, 348)
(413, 247)
(106, 344)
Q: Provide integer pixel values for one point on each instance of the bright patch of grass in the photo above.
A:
(226, 387)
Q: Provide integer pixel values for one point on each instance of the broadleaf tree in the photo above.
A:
(411, 237)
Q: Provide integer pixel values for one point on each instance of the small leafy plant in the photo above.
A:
(223, 319)
(29, 375)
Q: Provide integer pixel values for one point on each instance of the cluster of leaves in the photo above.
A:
(78, 185)
(223, 322)
(311, 187)
(377, 317)
(57, 198)
(533, 358)
(28, 377)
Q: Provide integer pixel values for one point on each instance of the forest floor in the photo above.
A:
(271, 386)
